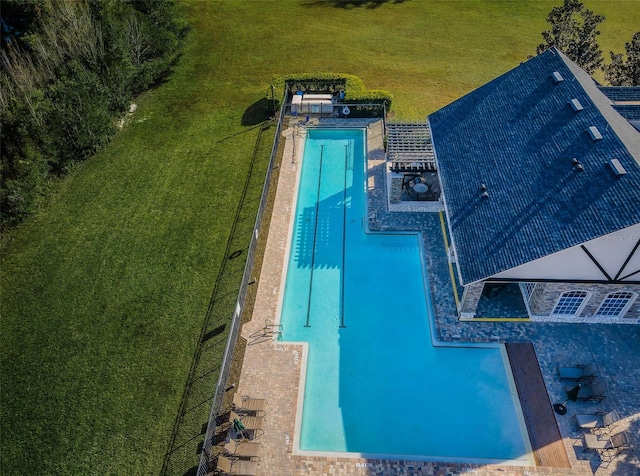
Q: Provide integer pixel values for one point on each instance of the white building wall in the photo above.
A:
(571, 264)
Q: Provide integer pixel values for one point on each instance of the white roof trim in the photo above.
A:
(574, 264)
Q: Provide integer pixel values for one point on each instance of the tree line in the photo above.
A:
(68, 71)
(574, 31)
(69, 68)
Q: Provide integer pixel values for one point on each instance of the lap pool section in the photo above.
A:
(375, 386)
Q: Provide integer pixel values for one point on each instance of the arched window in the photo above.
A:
(615, 304)
(570, 303)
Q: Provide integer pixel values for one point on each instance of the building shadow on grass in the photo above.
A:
(349, 4)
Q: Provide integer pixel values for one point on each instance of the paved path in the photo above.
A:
(544, 435)
(272, 369)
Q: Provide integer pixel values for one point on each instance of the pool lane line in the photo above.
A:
(344, 232)
(315, 238)
(451, 275)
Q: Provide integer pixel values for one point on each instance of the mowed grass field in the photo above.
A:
(105, 290)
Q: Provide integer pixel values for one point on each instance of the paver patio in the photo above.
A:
(272, 369)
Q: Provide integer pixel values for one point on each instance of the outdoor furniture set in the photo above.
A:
(598, 427)
(587, 384)
(607, 446)
(242, 455)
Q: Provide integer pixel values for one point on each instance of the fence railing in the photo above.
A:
(205, 456)
(337, 110)
(334, 110)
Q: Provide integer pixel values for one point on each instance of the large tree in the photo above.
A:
(625, 73)
(573, 31)
(68, 69)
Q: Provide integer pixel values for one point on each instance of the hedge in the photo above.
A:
(353, 86)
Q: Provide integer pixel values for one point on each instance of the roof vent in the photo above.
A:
(557, 77)
(575, 105)
(594, 133)
(483, 187)
(617, 167)
(577, 166)
(484, 194)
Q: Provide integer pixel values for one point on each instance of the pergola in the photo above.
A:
(409, 149)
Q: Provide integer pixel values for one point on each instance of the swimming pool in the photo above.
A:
(375, 385)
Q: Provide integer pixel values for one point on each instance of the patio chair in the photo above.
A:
(238, 467)
(592, 391)
(252, 424)
(578, 372)
(607, 448)
(243, 449)
(246, 405)
(597, 421)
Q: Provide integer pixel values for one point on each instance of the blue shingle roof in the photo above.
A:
(629, 111)
(518, 135)
(627, 99)
(621, 93)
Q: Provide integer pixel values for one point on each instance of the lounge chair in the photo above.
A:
(238, 467)
(579, 372)
(251, 424)
(592, 391)
(597, 421)
(255, 406)
(244, 449)
(607, 448)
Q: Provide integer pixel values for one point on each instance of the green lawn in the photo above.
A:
(105, 290)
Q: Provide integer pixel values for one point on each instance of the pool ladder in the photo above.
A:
(270, 332)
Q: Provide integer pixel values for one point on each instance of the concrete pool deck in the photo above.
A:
(272, 369)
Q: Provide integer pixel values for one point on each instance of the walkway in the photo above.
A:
(272, 369)
(544, 435)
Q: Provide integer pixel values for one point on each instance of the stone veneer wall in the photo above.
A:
(537, 294)
(470, 298)
(395, 190)
(546, 295)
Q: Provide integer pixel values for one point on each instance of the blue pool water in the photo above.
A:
(375, 384)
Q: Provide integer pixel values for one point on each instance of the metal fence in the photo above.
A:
(336, 110)
(205, 457)
(342, 110)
